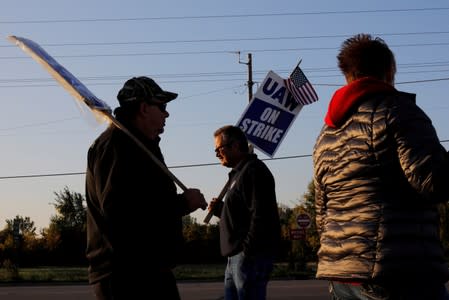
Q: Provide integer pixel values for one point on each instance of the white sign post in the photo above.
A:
(81, 93)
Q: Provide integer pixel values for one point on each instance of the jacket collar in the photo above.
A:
(347, 97)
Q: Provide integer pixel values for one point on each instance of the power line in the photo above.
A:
(170, 167)
(203, 52)
(221, 80)
(43, 175)
(420, 81)
(225, 40)
(230, 73)
(226, 16)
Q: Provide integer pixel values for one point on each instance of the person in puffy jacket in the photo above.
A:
(134, 213)
(380, 174)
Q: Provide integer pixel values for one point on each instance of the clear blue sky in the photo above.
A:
(190, 47)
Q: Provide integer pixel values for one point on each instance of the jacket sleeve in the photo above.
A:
(423, 159)
(261, 200)
(182, 208)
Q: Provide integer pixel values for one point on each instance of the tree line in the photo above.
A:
(63, 242)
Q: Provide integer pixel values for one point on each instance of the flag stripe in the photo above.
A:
(301, 89)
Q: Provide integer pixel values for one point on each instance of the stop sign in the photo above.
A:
(303, 220)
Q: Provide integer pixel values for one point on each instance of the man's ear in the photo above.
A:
(143, 108)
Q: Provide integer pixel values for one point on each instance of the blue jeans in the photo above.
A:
(340, 291)
(246, 278)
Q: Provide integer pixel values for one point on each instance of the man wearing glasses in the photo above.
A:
(134, 212)
(249, 220)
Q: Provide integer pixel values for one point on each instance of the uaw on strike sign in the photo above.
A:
(269, 114)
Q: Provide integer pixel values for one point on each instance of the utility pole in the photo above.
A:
(250, 77)
(250, 83)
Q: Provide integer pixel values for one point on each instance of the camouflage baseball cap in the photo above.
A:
(143, 89)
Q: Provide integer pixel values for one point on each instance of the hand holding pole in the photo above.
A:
(219, 198)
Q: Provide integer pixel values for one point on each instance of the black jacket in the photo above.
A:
(379, 176)
(134, 212)
(249, 219)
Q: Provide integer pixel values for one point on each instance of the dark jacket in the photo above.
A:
(249, 219)
(379, 174)
(134, 212)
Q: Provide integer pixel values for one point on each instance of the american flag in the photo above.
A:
(300, 87)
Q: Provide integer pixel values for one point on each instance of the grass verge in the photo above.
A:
(182, 272)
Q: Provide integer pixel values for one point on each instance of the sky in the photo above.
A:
(198, 49)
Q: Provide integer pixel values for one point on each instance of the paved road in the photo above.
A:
(277, 290)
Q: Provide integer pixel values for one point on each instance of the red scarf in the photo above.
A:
(348, 96)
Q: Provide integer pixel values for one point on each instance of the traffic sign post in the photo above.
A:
(303, 220)
(297, 234)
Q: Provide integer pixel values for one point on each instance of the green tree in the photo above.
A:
(25, 225)
(18, 242)
(70, 210)
(66, 235)
(301, 250)
(202, 242)
(192, 230)
(24, 233)
(309, 208)
(285, 217)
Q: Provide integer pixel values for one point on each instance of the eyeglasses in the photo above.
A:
(162, 106)
(218, 149)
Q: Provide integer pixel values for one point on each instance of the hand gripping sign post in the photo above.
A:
(80, 92)
(272, 111)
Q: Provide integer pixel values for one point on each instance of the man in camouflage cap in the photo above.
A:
(131, 199)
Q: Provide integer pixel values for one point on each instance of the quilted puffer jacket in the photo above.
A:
(379, 174)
